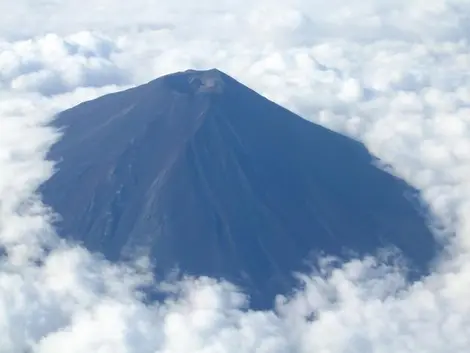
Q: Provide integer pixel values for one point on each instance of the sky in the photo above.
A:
(393, 74)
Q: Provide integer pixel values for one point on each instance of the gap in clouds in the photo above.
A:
(393, 74)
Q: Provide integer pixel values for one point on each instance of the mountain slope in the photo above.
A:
(207, 175)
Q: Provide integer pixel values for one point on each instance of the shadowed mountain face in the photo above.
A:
(208, 176)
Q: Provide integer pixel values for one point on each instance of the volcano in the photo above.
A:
(208, 177)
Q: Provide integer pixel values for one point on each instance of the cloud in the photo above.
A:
(51, 65)
(393, 74)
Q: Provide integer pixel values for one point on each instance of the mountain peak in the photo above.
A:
(196, 81)
(235, 187)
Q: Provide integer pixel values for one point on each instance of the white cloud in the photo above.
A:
(52, 65)
(393, 74)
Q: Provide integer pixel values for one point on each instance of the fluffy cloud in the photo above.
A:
(52, 65)
(393, 74)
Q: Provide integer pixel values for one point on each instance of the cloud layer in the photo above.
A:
(393, 74)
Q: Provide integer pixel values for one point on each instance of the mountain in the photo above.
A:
(206, 175)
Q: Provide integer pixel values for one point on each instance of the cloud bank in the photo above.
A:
(393, 74)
